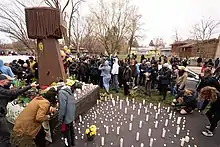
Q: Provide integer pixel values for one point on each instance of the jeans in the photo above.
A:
(106, 81)
(70, 135)
(148, 87)
(213, 117)
(115, 82)
(4, 133)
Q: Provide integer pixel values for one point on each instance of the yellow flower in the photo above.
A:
(92, 133)
(54, 84)
(87, 131)
(70, 82)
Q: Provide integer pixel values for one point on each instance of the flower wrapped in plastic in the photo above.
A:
(91, 132)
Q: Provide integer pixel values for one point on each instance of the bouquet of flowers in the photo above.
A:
(91, 132)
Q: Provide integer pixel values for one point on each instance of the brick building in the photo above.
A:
(193, 48)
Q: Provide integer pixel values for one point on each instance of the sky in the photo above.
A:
(160, 18)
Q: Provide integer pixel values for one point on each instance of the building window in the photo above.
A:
(198, 50)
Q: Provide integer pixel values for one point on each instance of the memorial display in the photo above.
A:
(87, 95)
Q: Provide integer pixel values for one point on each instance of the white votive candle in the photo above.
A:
(137, 136)
(145, 109)
(140, 124)
(130, 126)
(156, 124)
(178, 130)
(120, 106)
(142, 145)
(166, 122)
(131, 117)
(187, 139)
(149, 132)
(147, 117)
(102, 141)
(168, 109)
(106, 129)
(156, 117)
(80, 118)
(143, 102)
(118, 130)
(163, 133)
(126, 110)
(121, 142)
(179, 120)
(127, 103)
(182, 142)
(139, 111)
(151, 142)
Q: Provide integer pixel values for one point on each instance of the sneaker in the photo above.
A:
(174, 100)
(173, 104)
(207, 133)
(208, 127)
(182, 111)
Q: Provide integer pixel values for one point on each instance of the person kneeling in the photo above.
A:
(28, 130)
(185, 101)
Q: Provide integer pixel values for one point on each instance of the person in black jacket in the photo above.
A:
(185, 101)
(127, 78)
(207, 80)
(94, 72)
(164, 79)
(7, 95)
(212, 95)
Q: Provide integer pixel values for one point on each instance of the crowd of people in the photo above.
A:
(162, 74)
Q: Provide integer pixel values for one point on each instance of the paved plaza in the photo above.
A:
(137, 124)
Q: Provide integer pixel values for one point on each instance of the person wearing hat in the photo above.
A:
(28, 130)
(7, 95)
(5, 69)
(181, 79)
(67, 110)
(164, 79)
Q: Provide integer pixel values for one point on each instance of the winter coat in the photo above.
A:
(6, 70)
(208, 81)
(181, 80)
(67, 105)
(7, 95)
(165, 75)
(30, 120)
(127, 74)
(115, 67)
(105, 69)
(188, 100)
(94, 71)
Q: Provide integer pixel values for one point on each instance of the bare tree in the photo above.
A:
(12, 22)
(134, 27)
(72, 25)
(111, 20)
(157, 43)
(70, 14)
(205, 29)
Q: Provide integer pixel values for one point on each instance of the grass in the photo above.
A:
(139, 95)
